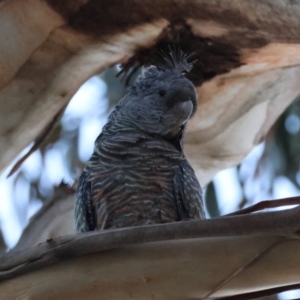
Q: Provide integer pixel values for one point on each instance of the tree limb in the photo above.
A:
(282, 223)
(263, 293)
(266, 204)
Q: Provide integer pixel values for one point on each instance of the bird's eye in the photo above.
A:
(162, 93)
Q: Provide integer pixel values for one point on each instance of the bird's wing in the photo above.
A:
(188, 193)
(84, 216)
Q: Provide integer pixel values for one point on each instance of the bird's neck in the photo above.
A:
(130, 134)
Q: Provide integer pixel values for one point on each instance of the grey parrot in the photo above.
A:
(138, 173)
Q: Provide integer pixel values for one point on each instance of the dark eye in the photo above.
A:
(162, 93)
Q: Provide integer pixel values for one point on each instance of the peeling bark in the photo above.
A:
(247, 70)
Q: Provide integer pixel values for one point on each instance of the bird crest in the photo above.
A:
(166, 64)
(176, 61)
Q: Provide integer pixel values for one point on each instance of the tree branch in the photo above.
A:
(282, 223)
(266, 204)
(263, 293)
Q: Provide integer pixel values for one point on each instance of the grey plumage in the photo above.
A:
(138, 173)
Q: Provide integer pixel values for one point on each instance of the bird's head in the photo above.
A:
(162, 100)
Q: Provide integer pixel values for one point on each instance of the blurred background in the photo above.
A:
(270, 171)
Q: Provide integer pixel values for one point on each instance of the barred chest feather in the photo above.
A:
(136, 179)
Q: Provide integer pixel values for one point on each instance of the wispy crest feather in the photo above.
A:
(176, 60)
